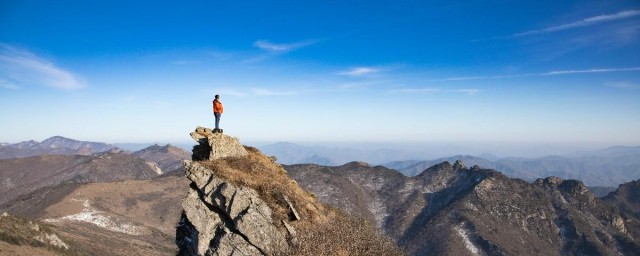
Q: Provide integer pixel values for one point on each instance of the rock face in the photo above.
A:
(215, 145)
(223, 219)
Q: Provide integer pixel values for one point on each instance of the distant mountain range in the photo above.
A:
(605, 168)
(290, 153)
(115, 202)
(56, 145)
(101, 200)
(60, 160)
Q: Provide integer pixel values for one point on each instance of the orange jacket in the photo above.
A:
(217, 107)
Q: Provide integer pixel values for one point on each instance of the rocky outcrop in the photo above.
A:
(241, 202)
(224, 219)
(215, 145)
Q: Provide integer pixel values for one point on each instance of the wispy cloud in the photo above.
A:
(582, 23)
(185, 62)
(283, 47)
(270, 49)
(254, 92)
(597, 70)
(8, 85)
(621, 85)
(266, 92)
(435, 90)
(360, 71)
(550, 73)
(20, 67)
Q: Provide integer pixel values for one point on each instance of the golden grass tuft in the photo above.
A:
(323, 230)
(270, 180)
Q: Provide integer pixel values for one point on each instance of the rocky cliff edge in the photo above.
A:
(241, 202)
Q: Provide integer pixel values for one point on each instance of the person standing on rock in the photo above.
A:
(217, 111)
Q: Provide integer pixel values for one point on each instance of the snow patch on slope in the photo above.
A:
(155, 167)
(102, 220)
(52, 239)
(464, 233)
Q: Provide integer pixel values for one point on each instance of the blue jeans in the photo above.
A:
(217, 119)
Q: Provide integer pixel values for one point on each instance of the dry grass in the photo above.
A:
(323, 230)
(18, 231)
(343, 235)
(271, 182)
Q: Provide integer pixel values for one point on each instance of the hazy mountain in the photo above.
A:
(606, 168)
(453, 210)
(415, 167)
(168, 157)
(23, 175)
(627, 198)
(616, 151)
(140, 146)
(56, 145)
(290, 153)
(602, 191)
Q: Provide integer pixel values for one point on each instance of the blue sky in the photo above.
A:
(553, 72)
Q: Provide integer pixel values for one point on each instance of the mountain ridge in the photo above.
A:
(56, 145)
(462, 210)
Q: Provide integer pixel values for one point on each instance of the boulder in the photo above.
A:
(214, 145)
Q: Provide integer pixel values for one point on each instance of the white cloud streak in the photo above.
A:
(255, 92)
(582, 23)
(359, 71)
(550, 73)
(20, 67)
(8, 85)
(598, 70)
(434, 90)
(185, 62)
(621, 85)
(266, 92)
(282, 48)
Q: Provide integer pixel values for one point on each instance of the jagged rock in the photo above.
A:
(225, 219)
(553, 181)
(294, 213)
(458, 165)
(292, 232)
(289, 228)
(215, 145)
